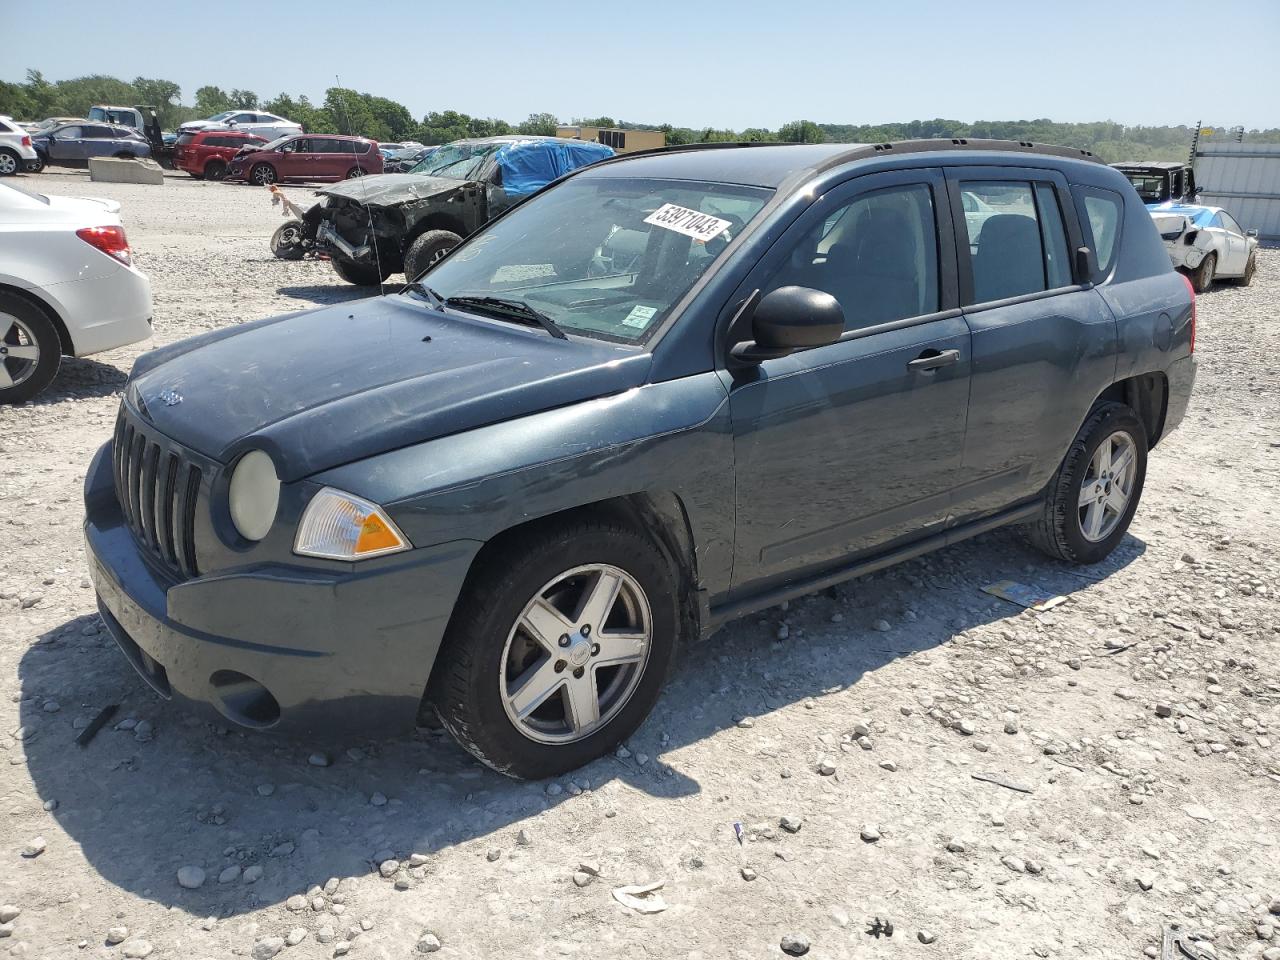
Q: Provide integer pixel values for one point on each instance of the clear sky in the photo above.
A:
(692, 62)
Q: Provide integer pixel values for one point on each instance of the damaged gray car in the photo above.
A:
(404, 222)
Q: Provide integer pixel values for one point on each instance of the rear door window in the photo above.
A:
(1006, 242)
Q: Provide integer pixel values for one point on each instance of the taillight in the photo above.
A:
(26, 141)
(1191, 290)
(110, 240)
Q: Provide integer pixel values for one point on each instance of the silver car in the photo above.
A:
(1207, 244)
(265, 125)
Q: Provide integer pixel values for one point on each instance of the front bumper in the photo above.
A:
(303, 650)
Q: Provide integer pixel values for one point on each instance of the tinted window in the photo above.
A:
(1103, 210)
(1053, 234)
(101, 133)
(67, 133)
(1005, 245)
(878, 256)
(186, 138)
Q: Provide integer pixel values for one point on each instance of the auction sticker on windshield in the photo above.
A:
(692, 223)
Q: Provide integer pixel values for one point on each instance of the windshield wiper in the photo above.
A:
(504, 309)
(433, 298)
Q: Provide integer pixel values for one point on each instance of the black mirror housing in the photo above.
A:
(1086, 265)
(790, 319)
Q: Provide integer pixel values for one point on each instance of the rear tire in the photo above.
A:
(355, 172)
(215, 170)
(30, 349)
(36, 165)
(487, 648)
(1078, 488)
(10, 163)
(1202, 276)
(262, 175)
(286, 242)
(426, 250)
(358, 273)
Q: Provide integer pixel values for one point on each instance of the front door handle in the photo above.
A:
(931, 360)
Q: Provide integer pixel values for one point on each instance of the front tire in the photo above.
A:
(262, 175)
(1202, 276)
(1093, 496)
(36, 165)
(30, 349)
(286, 242)
(358, 273)
(124, 155)
(426, 250)
(557, 650)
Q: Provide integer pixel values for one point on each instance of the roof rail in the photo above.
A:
(859, 150)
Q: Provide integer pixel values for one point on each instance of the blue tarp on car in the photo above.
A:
(530, 165)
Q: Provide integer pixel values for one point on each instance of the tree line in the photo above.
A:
(353, 112)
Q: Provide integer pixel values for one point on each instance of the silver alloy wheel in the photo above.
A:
(576, 654)
(1107, 486)
(8, 165)
(263, 175)
(19, 351)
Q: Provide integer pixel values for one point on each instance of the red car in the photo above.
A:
(306, 157)
(206, 154)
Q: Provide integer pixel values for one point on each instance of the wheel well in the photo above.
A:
(1148, 395)
(64, 337)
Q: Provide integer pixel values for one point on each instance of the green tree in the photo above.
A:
(164, 95)
(800, 131)
(756, 135)
(605, 122)
(16, 101)
(539, 125)
(243, 99)
(211, 100)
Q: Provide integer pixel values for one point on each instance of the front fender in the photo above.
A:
(672, 437)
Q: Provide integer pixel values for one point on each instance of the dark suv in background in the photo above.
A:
(73, 144)
(669, 390)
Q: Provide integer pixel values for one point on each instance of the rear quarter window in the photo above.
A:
(1102, 215)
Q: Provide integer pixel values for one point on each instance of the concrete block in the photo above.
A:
(113, 170)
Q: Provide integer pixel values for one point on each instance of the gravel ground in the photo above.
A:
(845, 732)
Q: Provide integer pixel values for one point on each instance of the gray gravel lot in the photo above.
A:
(1141, 717)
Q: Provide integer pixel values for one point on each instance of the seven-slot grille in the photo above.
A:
(157, 487)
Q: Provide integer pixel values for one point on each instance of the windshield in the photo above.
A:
(457, 161)
(1150, 186)
(275, 144)
(27, 193)
(606, 258)
(217, 117)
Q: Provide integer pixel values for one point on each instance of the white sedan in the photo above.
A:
(67, 286)
(1207, 244)
(265, 125)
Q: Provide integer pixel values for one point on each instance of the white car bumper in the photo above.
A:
(104, 312)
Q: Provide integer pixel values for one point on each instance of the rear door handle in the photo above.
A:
(931, 360)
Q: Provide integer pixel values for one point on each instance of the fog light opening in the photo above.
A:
(243, 699)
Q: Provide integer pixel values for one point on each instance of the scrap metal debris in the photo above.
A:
(1023, 595)
(642, 898)
(1176, 944)
(1000, 781)
(97, 723)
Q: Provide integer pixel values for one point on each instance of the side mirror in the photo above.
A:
(1086, 265)
(790, 319)
(1251, 232)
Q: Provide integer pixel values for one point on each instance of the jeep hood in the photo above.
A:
(322, 388)
(391, 189)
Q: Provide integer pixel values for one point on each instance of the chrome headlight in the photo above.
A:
(254, 495)
(342, 526)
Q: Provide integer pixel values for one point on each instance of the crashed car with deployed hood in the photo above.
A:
(1207, 243)
(406, 222)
